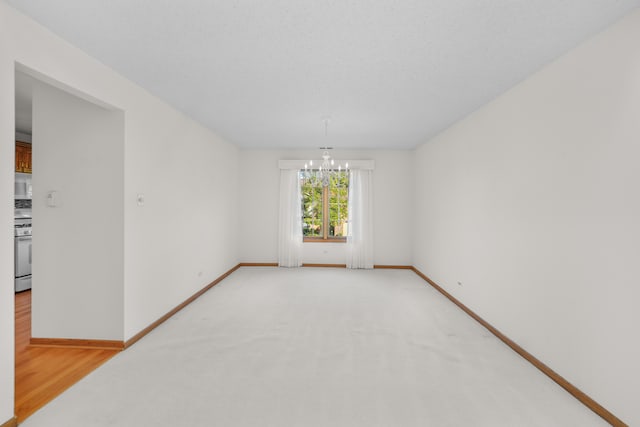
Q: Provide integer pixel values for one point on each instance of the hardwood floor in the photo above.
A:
(42, 373)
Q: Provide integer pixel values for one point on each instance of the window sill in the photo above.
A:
(321, 240)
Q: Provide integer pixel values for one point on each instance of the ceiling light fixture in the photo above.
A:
(326, 169)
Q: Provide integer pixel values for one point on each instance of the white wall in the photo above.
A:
(7, 170)
(392, 201)
(185, 235)
(78, 276)
(181, 239)
(532, 202)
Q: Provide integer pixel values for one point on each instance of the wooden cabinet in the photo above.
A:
(23, 157)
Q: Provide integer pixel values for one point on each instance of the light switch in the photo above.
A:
(140, 199)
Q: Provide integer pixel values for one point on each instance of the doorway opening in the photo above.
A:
(73, 145)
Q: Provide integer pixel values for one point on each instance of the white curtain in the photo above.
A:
(360, 238)
(290, 228)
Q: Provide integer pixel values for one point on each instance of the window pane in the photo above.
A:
(311, 188)
(338, 204)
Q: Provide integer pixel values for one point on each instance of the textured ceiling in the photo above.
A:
(262, 74)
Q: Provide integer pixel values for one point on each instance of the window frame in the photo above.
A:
(325, 223)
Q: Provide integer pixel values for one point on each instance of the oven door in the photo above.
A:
(23, 256)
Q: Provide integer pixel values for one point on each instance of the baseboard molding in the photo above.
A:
(13, 422)
(77, 343)
(131, 341)
(325, 265)
(394, 267)
(275, 264)
(258, 264)
(573, 390)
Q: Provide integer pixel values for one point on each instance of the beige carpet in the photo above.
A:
(317, 347)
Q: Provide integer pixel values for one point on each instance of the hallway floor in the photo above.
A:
(42, 373)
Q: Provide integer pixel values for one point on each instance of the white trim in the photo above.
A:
(353, 164)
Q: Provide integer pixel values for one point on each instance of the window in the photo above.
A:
(324, 209)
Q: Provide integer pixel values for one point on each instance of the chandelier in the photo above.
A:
(327, 168)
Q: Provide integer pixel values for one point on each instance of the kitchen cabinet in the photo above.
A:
(23, 157)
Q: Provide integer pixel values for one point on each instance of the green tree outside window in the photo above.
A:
(325, 211)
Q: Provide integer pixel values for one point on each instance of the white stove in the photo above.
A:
(23, 227)
(23, 246)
